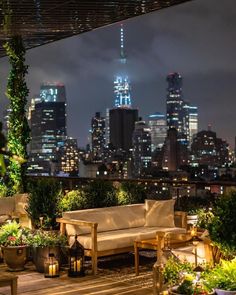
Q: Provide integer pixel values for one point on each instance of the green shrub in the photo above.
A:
(46, 239)
(43, 201)
(131, 193)
(173, 270)
(194, 203)
(222, 276)
(222, 227)
(100, 193)
(73, 200)
(204, 218)
(3, 190)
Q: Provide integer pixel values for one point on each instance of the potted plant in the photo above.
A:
(173, 270)
(189, 285)
(181, 278)
(43, 200)
(222, 278)
(44, 242)
(13, 242)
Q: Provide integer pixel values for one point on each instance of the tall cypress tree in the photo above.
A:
(18, 132)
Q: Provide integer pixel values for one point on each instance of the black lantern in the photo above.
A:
(51, 267)
(76, 259)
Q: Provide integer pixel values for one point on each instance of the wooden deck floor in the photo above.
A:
(33, 283)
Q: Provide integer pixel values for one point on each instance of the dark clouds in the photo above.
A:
(197, 39)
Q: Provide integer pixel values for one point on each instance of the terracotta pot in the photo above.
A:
(173, 291)
(224, 292)
(40, 254)
(15, 257)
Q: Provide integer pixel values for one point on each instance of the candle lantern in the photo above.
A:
(76, 259)
(51, 267)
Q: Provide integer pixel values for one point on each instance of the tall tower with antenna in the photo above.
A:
(121, 81)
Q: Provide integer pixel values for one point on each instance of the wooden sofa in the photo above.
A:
(113, 230)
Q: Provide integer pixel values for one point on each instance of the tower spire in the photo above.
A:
(121, 82)
(122, 49)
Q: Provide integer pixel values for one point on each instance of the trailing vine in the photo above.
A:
(18, 131)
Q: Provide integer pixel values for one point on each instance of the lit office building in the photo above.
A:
(193, 122)
(48, 128)
(98, 124)
(175, 154)
(69, 157)
(175, 112)
(209, 150)
(158, 130)
(179, 113)
(142, 154)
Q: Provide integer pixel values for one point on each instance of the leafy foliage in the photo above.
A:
(43, 201)
(222, 227)
(173, 270)
(100, 194)
(18, 134)
(131, 193)
(192, 204)
(73, 200)
(46, 239)
(11, 234)
(3, 189)
(222, 276)
(204, 217)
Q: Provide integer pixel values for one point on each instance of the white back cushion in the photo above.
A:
(111, 218)
(7, 205)
(160, 213)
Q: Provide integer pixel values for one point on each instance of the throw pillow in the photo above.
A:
(160, 213)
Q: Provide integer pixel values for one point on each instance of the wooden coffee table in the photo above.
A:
(9, 280)
(173, 241)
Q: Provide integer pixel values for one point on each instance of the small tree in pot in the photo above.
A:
(44, 242)
(43, 200)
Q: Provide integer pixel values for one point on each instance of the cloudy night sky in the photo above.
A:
(196, 39)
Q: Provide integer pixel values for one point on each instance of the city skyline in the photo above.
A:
(196, 39)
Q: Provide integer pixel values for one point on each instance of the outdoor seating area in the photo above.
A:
(141, 207)
(147, 247)
(113, 230)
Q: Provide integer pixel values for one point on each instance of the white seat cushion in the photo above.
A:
(108, 219)
(123, 238)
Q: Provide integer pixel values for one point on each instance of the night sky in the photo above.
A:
(196, 39)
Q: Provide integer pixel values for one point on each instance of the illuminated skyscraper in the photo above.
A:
(210, 150)
(48, 127)
(121, 81)
(142, 155)
(175, 113)
(158, 129)
(193, 122)
(69, 157)
(179, 113)
(98, 135)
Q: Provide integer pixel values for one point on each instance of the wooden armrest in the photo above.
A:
(92, 225)
(77, 222)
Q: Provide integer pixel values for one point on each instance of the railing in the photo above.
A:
(155, 187)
